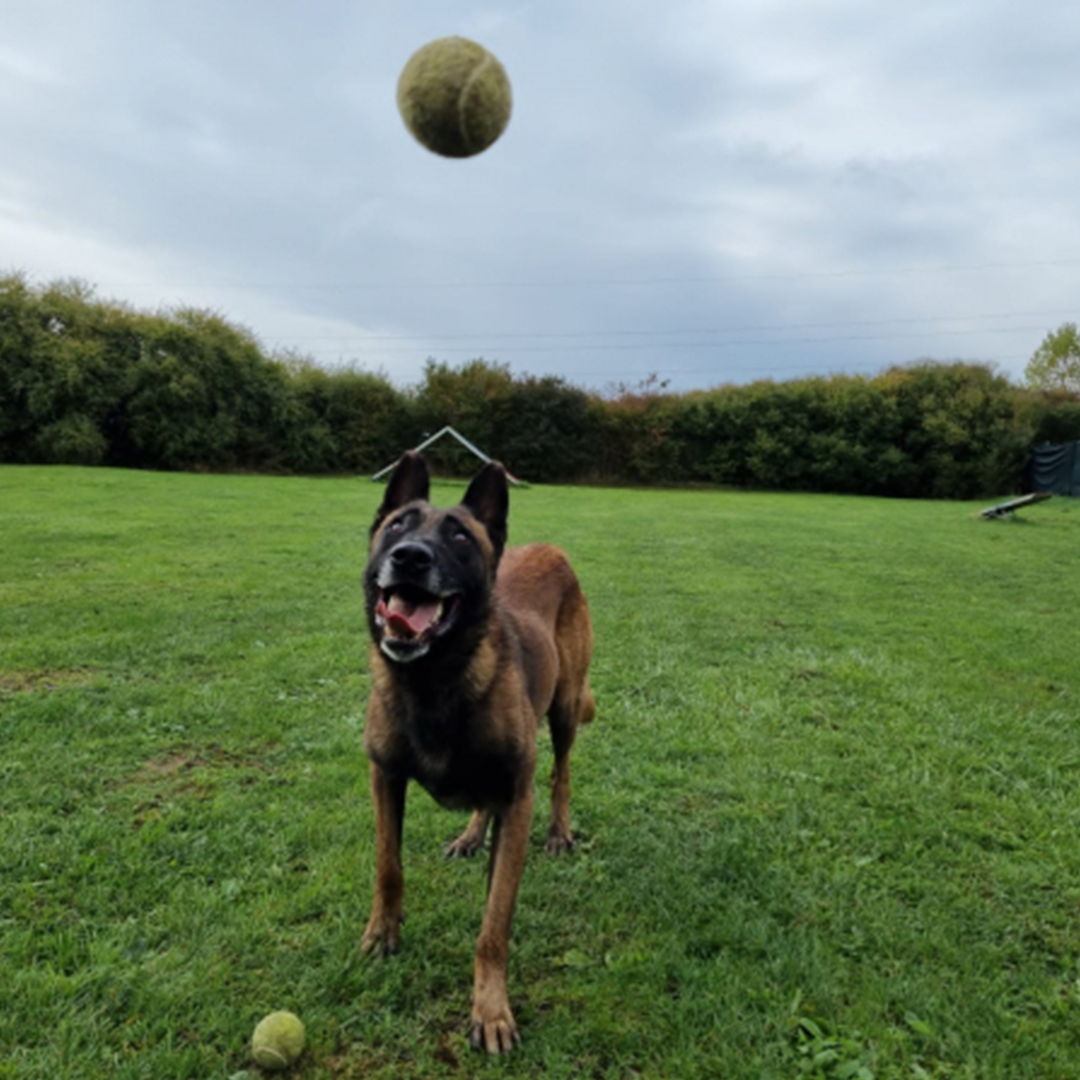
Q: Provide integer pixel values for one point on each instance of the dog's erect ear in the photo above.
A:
(488, 500)
(408, 482)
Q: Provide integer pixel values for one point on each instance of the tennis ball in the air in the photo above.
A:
(278, 1040)
(454, 97)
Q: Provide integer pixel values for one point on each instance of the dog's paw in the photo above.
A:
(496, 1034)
(380, 938)
(559, 841)
(472, 839)
(464, 847)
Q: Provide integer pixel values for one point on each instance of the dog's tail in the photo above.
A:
(574, 640)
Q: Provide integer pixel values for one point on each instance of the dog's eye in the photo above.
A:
(461, 536)
(396, 525)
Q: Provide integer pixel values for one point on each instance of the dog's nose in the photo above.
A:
(411, 558)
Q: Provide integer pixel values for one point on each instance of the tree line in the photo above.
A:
(89, 382)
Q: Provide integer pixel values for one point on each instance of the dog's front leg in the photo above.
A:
(493, 1026)
(384, 926)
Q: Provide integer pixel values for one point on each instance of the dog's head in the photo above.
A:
(430, 572)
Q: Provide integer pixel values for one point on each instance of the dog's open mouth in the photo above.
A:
(410, 615)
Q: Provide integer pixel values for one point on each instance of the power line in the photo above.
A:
(683, 345)
(809, 367)
(716, 330)
(602, 282)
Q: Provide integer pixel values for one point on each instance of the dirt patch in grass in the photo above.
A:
(25, 682)
(167, 769)
(189, 772)
(186, 759)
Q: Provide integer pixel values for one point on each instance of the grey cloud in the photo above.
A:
(668, 171)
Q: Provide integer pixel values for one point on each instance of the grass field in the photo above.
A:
(829, 811)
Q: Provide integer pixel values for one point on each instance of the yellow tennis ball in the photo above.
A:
(278, 1040)
(454, 97)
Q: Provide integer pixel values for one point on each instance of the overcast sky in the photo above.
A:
(711, 191)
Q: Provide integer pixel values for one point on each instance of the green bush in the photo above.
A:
(928, 430)
(95, 383)
(963, 429)
(471, 399)
(639, 444)
(542, 429)
(202, 395)
(545, 430)
(72, 440)
(1055, 416)
(343, 421)
(60, 382)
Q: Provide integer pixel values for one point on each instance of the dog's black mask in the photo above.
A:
(430, 572)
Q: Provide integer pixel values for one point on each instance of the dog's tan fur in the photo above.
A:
(471, 739)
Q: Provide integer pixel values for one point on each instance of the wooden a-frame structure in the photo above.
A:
(448, 430)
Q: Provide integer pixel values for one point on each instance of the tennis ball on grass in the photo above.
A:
(278, 1040)
(454, 97)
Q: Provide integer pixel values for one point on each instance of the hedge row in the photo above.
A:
(88, 382)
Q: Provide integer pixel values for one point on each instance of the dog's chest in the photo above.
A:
(463, 772)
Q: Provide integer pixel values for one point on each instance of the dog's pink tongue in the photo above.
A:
(402, 614)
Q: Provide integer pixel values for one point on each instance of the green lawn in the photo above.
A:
(828, 813)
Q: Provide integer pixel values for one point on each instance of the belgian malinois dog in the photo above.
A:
(473, 644)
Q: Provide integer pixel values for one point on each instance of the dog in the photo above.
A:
(473, 643)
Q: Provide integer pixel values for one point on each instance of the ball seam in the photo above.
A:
(476, 72)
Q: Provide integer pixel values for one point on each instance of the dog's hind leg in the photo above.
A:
(563, 720)
(472, 839)
(563, 733)
(572, 706)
